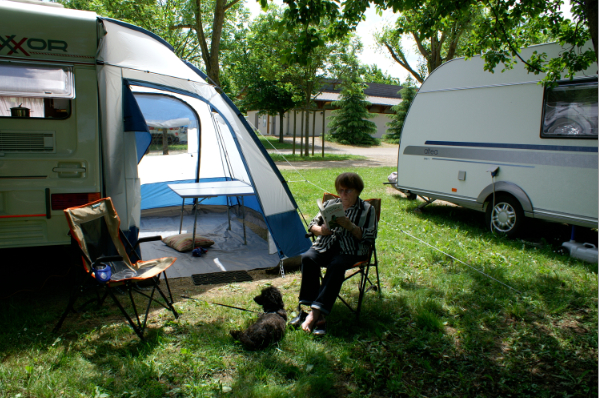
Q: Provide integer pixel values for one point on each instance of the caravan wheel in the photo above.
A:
(506, 216)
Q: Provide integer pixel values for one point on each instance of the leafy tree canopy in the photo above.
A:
(373, 74)
(501, 34)
(395, 126)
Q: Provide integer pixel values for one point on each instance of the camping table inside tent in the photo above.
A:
(211, 189)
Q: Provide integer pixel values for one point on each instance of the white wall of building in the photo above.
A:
(260, 123)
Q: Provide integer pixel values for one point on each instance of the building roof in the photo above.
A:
(376, 93)
(330, 97)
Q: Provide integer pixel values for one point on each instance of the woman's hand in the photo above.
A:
(320, 230)
(344, 222)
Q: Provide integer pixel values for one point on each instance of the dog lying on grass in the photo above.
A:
(270, 326)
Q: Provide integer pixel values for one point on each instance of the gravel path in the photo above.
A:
(377, 156)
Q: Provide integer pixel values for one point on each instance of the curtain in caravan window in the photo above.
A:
(36, 81)
(35, 105)
(571, 111)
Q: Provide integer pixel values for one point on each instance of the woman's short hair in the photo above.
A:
(349, 181)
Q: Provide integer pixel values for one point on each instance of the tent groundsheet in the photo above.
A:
(228, 252)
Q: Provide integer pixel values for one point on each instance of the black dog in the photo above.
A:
(270, 326)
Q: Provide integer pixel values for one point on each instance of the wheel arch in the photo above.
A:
(486, 195)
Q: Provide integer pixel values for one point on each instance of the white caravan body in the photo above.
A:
(93, 87)
(465, 123)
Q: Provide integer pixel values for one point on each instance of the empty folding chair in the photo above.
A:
(110, 262)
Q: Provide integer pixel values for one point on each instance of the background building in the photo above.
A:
(381, 96)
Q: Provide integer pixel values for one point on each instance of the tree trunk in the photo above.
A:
(210, 56)
(301, 133)
(294, 129)
(590, 9)
(165, 141)
(281, 117)
(313, 131)
(306, 135)
(323, 121)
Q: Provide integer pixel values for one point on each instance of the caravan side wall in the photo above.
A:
(465, 121)
(50, 160)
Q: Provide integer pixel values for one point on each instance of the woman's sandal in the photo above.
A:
(299, 319)
(320, 329)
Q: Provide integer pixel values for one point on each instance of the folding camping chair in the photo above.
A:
(362, 268)
(107, 258)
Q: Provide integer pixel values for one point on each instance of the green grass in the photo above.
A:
(269, 142)
(171, 147)
(441, 329)
(317, 158)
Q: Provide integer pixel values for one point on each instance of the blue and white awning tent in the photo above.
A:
(140, 77)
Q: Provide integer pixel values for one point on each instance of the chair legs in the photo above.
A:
(365, 285)
(135, 322)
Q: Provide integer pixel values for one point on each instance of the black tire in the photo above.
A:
(506, 216)
(411, 196)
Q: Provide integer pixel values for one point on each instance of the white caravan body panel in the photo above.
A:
(465, 121)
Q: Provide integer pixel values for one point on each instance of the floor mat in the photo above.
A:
(215, 278)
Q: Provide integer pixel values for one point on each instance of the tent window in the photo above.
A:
(570, 110)
(45, 91)
(168, 117)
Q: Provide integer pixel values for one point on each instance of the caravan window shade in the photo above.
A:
(570, 110)
(36, 81)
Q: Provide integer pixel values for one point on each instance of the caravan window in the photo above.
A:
(35, 91)
(570, 110)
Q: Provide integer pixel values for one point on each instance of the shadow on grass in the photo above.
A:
(484, 341)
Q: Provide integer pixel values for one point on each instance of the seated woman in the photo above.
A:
(337, 250)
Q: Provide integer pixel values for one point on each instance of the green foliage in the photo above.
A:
(502, 36)
(373, 74)
(349, 123)
(395, 126)
(499, 29)
(440, 35)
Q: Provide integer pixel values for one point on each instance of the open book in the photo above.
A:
(330, 213)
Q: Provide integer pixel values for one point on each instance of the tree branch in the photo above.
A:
(507, 39)
(181, 26)
(231, 4)
(403, 62)
(200, 32)
(421, 48)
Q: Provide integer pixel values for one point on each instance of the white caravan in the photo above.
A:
(502, 144)
(77, 95)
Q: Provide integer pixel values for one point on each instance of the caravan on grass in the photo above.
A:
(502, 144)
(78, 95)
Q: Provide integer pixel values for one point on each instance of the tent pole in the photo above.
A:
(243, 219)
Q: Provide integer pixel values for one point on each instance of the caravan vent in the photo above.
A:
(27, 141)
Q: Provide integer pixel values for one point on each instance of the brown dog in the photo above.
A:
(270, 326)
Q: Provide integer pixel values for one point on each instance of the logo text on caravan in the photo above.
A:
(428, 151)
(15, 46)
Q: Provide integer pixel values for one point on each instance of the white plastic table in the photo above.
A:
(210, 189)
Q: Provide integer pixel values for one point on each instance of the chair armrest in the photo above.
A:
(148, 239)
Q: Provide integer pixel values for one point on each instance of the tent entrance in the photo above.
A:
(228, 252)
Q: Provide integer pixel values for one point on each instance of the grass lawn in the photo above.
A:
(441, 329)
